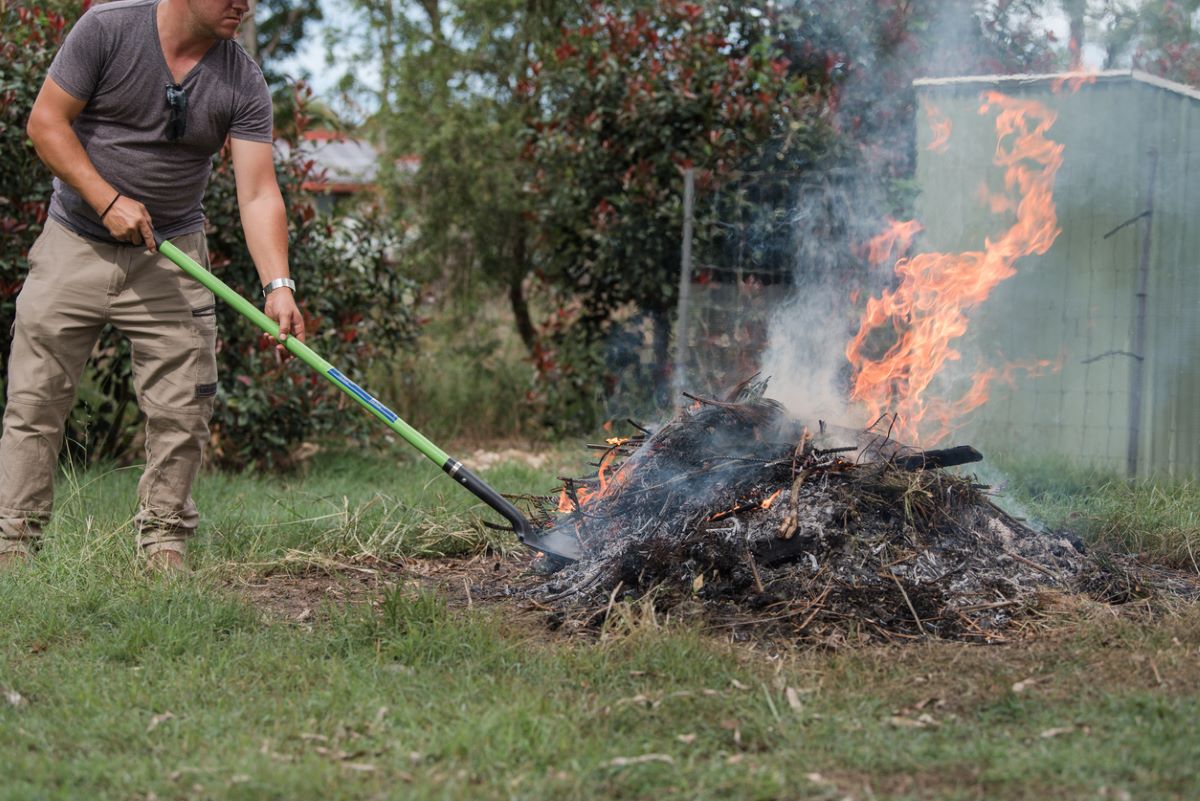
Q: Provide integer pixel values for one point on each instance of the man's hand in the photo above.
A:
(50, 130)
(281, 307)
(128, 221)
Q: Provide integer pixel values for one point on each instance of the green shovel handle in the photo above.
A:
(301, 351)
(454, 468)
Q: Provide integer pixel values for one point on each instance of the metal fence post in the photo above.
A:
(1137, 369)
(685, 285)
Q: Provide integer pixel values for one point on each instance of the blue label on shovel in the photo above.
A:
(361, 394)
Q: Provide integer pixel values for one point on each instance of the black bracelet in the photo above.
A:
(108, 208)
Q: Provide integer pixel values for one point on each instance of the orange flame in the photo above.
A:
(997, 202)
(895, 240)
(1079, 75)
(939, 123)
(585, 495)
(1034, 369)
(766, 504)
(927, 310)
(1072, 82)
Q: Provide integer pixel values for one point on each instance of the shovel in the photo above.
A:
(555, 544)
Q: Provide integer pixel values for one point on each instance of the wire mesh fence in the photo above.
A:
(757, 241)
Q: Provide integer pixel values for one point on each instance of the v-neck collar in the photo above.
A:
(162, 56)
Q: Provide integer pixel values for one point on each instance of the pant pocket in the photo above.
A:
(205, 327)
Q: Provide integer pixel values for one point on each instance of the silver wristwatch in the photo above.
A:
(278, 282)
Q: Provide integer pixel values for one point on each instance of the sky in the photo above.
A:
(312, 57)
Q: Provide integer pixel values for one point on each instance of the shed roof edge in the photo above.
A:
(1025, 79)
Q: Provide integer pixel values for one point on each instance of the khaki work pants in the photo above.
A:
(75, 286)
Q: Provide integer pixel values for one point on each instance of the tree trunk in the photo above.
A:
(516, 293)
(248, 35)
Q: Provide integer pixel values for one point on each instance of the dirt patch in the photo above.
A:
(306, 595)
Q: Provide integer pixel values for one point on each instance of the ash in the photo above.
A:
(737, 510)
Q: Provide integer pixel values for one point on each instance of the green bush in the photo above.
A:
(29, 37)
(357, 307)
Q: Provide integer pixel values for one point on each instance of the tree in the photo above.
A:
(273, 30)
(630, 97)
(450, 100)
(1158, 36)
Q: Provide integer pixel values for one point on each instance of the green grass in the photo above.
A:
(343, 505)
(468, 379)
(133, 687)
(1158, 519)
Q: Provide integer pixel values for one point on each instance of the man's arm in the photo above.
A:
(264, 220)
(59, 149)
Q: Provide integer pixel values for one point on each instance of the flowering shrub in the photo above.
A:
(29, 38)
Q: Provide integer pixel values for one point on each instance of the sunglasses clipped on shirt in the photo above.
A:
(177, 102)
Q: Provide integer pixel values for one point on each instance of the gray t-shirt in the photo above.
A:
(112, 59)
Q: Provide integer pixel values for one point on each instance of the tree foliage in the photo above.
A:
(280, 27)
(631, 99)
(450, 106)
(1161, 37)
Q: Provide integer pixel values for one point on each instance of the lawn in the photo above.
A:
(381, 678)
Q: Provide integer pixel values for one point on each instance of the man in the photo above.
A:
(138, 99)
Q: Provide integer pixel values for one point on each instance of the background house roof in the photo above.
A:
(349, 164)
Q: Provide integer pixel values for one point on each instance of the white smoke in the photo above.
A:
(805, 358)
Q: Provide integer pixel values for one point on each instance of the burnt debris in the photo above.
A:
(738, 509)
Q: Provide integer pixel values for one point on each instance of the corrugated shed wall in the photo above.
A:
(1077, 306)
(1171, 413)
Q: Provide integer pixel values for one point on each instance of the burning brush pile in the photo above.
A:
(816, 532)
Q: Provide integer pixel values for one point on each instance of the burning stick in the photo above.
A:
(790, 523)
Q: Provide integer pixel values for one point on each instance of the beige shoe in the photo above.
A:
(167, 562)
